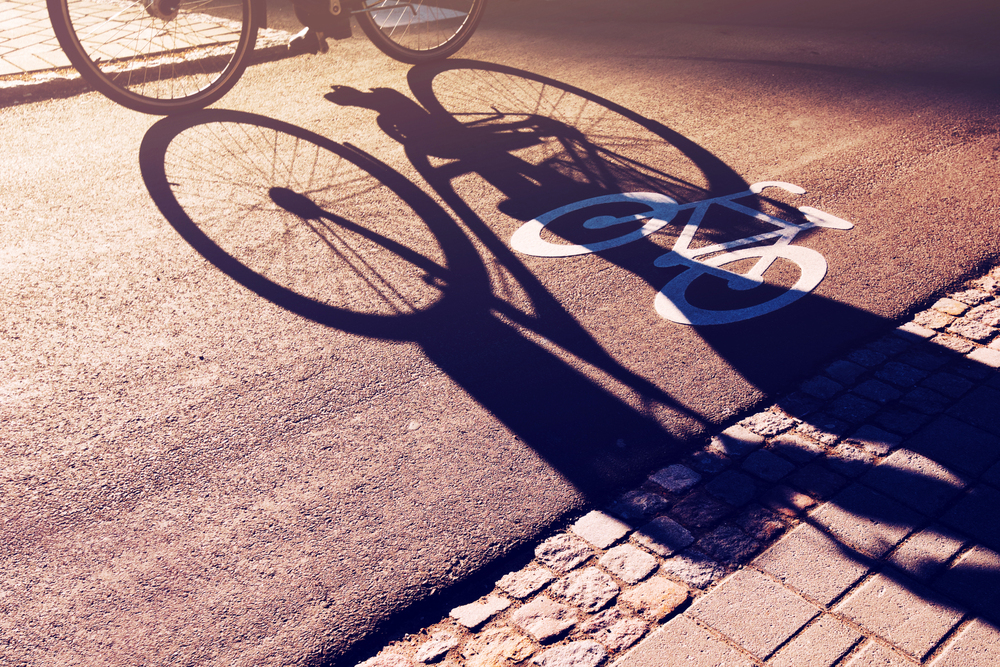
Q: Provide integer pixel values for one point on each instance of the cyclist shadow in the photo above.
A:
(536, 143)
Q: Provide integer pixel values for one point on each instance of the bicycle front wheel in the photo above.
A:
(157, 56)
(416, 31)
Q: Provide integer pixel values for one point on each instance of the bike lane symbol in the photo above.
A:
(672, 301)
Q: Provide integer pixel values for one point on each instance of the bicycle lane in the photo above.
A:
(582, 330)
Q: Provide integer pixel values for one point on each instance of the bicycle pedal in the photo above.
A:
(309, 41)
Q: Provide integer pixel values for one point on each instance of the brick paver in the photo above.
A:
(853, 523)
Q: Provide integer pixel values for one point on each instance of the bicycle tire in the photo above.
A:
(417, 31)
(671, 302)
(156, 58)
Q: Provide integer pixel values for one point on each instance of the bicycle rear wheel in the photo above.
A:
(416, 31)
(157, 56)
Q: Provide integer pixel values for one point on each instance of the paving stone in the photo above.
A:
(985, 356)
(823, 428)
(798, 404)
(586, 653)
(977, 644)
(817, 481)
(676, 478)
(733, 487)
(849, 460)
(637, 505)
(768, 423)
(656, 598)
(589, 589)
(926, 357)
(821, 387)
(845, 372)
(525, 582)
(786, 501)
(866, 521)
(600, 529)
(971, 297)
(875, 440)
(901, 611)
(767, 465)
(628, 563)
(761, 524)
(700, 510)
(387, 660)
(933, 319)
(950, 306)
(992, 476)
(899, 419)
(663, 536)
(614, 630)
(890, 345)
(877, 391)
(961, 447)
(925, 400)
(980, 408)
(686, 643)
(900, 374)
(971, 370)
(693, 568)
(975, 571)
(915, 330)
(497, 647)
(544, 618)
(874, 654)
(924, 555)
(987, 313)
(972, 330)
(852, 409)
(435, 648)
(563, 552)
(796, 447)
(821, 644)
(475, 614)
(915, 480)
(976, 515)
(866, 357)
(948, 384)
(953, 343)
(729, 545)
(810, 561)
(737, 441)
(709, 462)
(754, 611)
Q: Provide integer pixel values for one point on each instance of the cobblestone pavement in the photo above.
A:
(852, 523)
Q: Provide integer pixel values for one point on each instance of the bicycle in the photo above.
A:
(671, 301)
(172, 56)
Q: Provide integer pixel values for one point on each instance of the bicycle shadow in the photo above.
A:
(542, 144)
(414, 276)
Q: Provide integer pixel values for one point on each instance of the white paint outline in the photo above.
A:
(671, 302)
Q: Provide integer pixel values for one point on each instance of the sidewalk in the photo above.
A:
(27, 43)
(33, 65)
(853, 523)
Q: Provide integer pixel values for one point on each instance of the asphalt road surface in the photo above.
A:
(274, 376)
